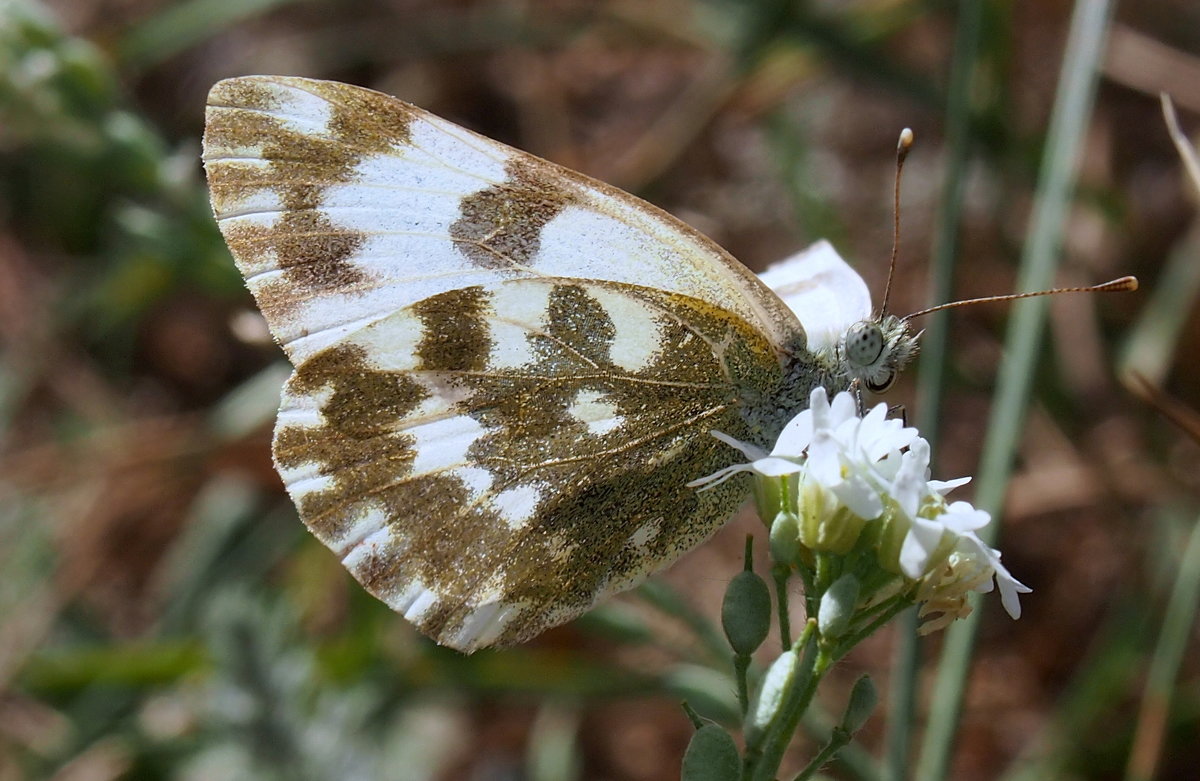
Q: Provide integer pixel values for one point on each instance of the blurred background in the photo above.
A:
(163, 615)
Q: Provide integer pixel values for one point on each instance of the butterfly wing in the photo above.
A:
(506, 372)
(492, 461)
(341, 205)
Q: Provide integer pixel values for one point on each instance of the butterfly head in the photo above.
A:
(874, 351)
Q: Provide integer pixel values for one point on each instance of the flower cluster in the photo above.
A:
(846, 482)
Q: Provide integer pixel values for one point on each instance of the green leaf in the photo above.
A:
(711, 756)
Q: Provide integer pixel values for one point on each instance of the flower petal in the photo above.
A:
(717, 477)
(859, 497)
(918, 546)
(777, 466)
(796, 436)
(750, 451)
(944, 487)
(843, 408)
(962, 517)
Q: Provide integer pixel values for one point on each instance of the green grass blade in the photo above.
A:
(182, 25)
(902, 694)
(1073, 105)
(1164, 666)
(553, 750)
(1150, 348)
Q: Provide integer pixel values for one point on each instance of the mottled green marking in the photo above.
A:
(358, 446)
(501, 227)
(456, 333)
(597, 491)
(246, 116)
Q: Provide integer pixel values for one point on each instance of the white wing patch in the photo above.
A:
(443, 443)
(516, 504)
(646, 534)
(361, 531)
(600, 415)
(518, 313)
(477, 480)
(638, 337)
(396, 203)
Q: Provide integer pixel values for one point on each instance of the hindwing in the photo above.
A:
(491, 461)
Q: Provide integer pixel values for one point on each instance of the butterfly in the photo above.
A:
(506, 372)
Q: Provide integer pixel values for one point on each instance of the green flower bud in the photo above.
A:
(766, 702)
(711, 756)
(825, 523)
(769, 494)
(746, 612)
(785, 538)
(863, 699)
(837, 606)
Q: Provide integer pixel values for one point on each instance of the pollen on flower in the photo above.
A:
(942, 593)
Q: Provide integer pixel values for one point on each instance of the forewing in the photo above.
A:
(823, 292)
(342, 205)
(492, 461)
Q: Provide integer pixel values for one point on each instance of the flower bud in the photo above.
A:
(825, 523)
(779, 678)
(837, 606)
(769, 494)
(785, 538)
(863, 699)
(746, 612)
(711, 756)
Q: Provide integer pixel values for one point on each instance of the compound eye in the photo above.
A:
(882, 385)
(864, 344)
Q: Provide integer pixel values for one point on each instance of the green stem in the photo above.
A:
(837, 741)
(824, 576)
(902, 696)
(741, 666)
(781, 573)
(897, 605)
(807, 574)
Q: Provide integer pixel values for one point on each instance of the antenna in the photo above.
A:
(1122, 285)
(905, 143)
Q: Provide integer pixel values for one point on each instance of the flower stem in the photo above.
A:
(837, 741)
(781, 573)
(898, 604)
(741, 666)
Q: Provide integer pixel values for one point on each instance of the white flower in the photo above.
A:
(851, 470)
(830, 442)
(971, 546)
